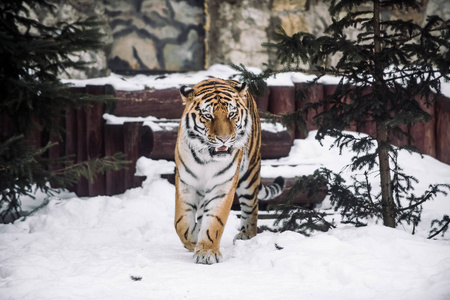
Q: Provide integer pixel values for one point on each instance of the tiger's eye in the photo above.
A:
(207, 116)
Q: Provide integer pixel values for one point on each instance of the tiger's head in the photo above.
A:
(216, 119)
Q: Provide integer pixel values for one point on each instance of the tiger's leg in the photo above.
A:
(186, 225)
(214, 213)
(247, 193)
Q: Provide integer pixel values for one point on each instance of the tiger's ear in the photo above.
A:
(186, 93)
(242, 89)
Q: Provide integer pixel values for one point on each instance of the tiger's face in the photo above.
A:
(216, 120)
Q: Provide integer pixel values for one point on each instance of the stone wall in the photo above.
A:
(154, 36)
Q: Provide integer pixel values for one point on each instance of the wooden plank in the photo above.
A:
(164, 144)
(262, 102)
(146, 141)
(313, 94)
(423, 134)
(57, 150)
(131, 149)
(282, 99)
(71, 136)
(114, 143)
(157, 103)
(443, 129)
(275, 144)
(34, 135)
(82, 188)
(94, 137)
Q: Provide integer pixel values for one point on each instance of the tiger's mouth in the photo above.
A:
(223, 150)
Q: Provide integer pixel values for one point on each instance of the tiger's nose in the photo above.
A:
(223, 139)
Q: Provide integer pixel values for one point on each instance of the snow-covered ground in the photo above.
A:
(90, 248)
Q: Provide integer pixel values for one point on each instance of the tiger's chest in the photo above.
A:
(203, 172)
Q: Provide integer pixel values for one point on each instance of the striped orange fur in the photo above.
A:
(217, 154)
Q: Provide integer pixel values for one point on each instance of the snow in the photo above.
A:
(176, 80)
(89, 248)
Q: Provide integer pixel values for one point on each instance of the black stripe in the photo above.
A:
(196, 158)
(210, 83)
(207, 234)
(219, 184)
(229, 165)
(193, 229)
(212, 199)
(193, 206)
(254, 178)
(218, 219)
(185, 167)
(186, 233)
(186, 120)
(249, 196)
(251, 212)
(183, 182)
(178, 221)
(244, 178)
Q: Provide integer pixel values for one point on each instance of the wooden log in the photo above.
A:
(282, 99)
(114, 142)
(58, 150)
(164, 144)
(82, 188)
(71, 132)
(262, 103)
(94, 138)
(34, 135)
(71, 139)
(443, 129)
(157, 103)
(311, 94)
(423, 134)
(131, 132)
(146, 142)
(329, 91)
(273, 144)
(300, 198)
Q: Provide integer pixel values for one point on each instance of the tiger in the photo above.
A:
(217, 154)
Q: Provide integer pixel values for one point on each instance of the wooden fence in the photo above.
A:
(88, 136)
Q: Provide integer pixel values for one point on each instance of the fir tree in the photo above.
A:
(386, 66)
(31, 96)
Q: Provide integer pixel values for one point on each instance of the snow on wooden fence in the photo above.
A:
(88, 136)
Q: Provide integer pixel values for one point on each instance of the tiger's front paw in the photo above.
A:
(207, 256)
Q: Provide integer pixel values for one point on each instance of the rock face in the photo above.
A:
(154, 36)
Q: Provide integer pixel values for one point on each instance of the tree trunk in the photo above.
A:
(387, 199)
